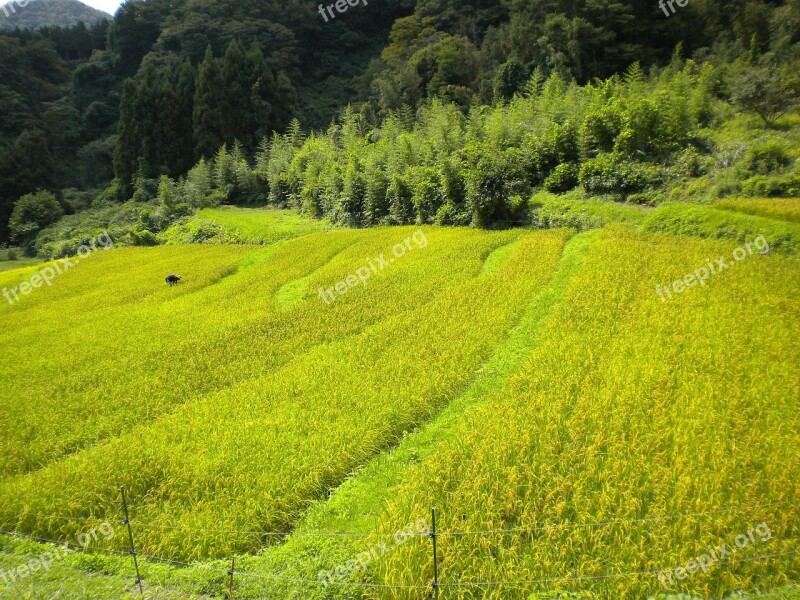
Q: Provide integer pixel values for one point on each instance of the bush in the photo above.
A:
(492, 182)
(600, 129)
(766, 91)
(197, 231)
(562, 179)
(401, 208)
(762, 186)
(144, 238)
(426, 193)
(692, 164)
(575, 212)
(31, 214)
(647, 198)
(376, 207)
(610, 173)
(766, 159)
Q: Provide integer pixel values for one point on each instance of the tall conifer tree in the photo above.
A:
(208, 120)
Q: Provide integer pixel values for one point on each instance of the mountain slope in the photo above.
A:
(49, 13)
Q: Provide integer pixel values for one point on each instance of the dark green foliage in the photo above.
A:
(492, 182)
(126, 156)
(510, 78)
(184, 97)
(135, 29)
(209, 107)
(562, 179)
(25, 168)
(237, 82)
(204, 74)
(611, 173)
(767, 159)
(31, 213)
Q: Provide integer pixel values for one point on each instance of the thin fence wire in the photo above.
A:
(93, 548)
(586, 524)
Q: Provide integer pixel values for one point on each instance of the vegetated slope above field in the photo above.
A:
(233, 225)
(662, 420)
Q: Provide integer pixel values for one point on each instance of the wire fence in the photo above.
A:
(433, 587)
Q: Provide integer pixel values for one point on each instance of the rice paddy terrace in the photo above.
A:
(302, 404)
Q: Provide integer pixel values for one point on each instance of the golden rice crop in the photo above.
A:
(294, 400)
(674, 423)
(127, 348)
(785, 209)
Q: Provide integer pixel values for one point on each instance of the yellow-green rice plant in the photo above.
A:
(642, 433)
(785, 209)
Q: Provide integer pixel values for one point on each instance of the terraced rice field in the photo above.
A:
(784, 209)
(574, 431)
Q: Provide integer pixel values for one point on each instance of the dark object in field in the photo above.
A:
(173, 279)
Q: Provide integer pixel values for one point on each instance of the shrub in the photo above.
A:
(198, 186)
(610, 173)
(762, 186)
(426, 193)
(714, 223)
(400, 204)
(31, 214)
(572, 211)
(453, 190)
(562, 179)
(599, 130)
(766, 159)
(691, 163)
(492, 182)
(350, 209)
(647, 198)
(765, 91)
(144, 238)
(376, 207)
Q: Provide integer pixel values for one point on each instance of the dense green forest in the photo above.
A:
(49, 13)
(392, 112)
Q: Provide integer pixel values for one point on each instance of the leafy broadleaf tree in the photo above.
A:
(25, 167)
(31, 214)
(768, 91)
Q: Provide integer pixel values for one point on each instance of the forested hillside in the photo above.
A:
(49, 13)
(97, 116)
